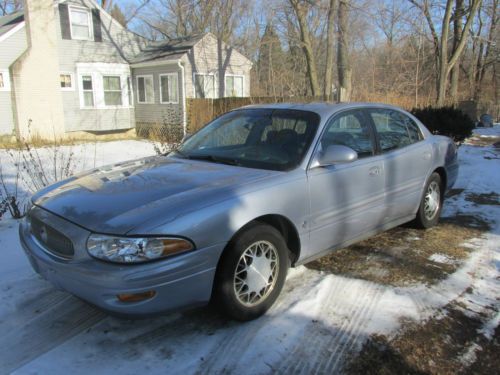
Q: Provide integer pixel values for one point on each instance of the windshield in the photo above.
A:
(254, 138)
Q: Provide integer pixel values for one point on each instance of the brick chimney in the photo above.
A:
(37, 90)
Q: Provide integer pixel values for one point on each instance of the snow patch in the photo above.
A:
(441, 258)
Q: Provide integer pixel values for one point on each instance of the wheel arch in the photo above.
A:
(283, 225)
(441, 171)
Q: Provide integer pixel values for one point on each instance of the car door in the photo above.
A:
(406, 159)
(345, 199)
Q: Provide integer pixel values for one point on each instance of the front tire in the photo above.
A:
(431, 204)
(251, 273)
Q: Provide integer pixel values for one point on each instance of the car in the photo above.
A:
(256, 191)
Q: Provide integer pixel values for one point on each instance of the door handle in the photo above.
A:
(375, 171)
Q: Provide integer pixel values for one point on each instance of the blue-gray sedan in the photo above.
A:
(257, 190)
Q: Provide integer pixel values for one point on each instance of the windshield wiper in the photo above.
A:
(215, 159)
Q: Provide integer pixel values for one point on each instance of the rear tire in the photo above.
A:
(251, 273)
(431, 204)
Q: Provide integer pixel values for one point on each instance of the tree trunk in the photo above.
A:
(330, 34)
(483, 61)
(344, 65)
(457, 35)
(301, 12)
(445, 65)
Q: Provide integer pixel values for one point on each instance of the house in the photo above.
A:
(67, 69)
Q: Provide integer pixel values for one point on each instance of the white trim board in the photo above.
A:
(154, 63)
(12, 31)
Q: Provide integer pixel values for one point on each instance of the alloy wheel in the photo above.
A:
(256, 273)
(432, 200)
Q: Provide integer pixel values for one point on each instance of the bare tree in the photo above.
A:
(301, 9)
(10, 6)
(330, 35)
(343, 61)
(486, 51)
(444, 62)
(457, 35)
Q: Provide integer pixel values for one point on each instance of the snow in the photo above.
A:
(316, 323)
(488, 132)
(441, 258)
(83, 157)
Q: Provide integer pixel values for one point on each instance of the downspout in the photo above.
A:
(183, 87)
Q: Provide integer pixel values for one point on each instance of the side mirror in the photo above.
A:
(334, 154)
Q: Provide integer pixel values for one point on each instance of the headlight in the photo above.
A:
(135, 250)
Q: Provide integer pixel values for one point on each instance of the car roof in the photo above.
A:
(324, 109)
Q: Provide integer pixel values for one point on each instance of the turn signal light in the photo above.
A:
(136, 297)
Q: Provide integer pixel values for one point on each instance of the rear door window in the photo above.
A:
(395, 130)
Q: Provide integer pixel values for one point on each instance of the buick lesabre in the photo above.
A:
(256, 191)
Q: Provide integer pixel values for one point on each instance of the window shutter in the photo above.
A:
(96, 20)
(64, 18)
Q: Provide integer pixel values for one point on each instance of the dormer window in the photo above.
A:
(81, 23)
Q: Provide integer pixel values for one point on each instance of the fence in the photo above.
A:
(202, 111)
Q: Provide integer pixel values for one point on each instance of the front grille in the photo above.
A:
(53, 240)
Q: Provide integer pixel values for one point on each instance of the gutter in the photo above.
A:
(183, 87)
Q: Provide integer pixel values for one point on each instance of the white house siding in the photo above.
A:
(6, 115)
(157, 112)
(36, 86)
(10, 49)
(116, 47)
(207, 58)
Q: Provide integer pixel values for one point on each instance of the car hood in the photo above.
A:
(115, 199)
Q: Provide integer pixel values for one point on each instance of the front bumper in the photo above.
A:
(179, 282)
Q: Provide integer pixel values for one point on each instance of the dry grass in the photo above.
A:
(10, 142)
(401, 255)
(436, 347)
(477, 140)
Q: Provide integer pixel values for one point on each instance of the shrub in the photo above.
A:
(448, 121)
(33, 168)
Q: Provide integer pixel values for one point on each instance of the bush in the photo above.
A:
(447, 121)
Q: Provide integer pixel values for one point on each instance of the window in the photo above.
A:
(66, 81)
(88, 91)
(112, 90)
(104, 85)
(204, 85)
(234, 86)
(256, 138)
(145, 89)
(349, 129)
(169, 88)
(395, 130)
(80, 23)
